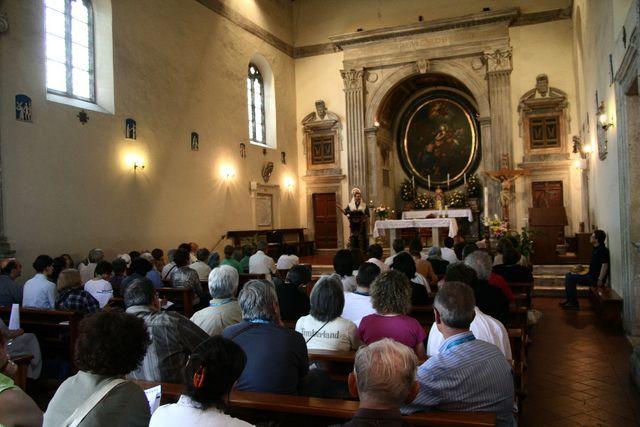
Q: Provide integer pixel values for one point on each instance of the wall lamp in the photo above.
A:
(583, 149)
(138, 165)
(289, 183)
(603, 119)
(227, 172)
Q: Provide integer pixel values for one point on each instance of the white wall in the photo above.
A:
(178, 67)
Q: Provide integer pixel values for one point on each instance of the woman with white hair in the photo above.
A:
(357, 212)
(223, 309)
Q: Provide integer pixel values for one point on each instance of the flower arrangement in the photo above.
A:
(525, 244)
(474, 188)
(383, 212)
(423, 201)
(498, 227)
(456, 200)
(406, 191)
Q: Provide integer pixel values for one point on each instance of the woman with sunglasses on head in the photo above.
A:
(211, 372)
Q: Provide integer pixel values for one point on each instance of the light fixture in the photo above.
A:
(227, 172)
(583, 149)
(376, 124)
(134, 161)
(603, 118)
(138, 165)
(289, 183)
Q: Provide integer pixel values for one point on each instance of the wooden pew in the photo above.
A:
(423, 314)
(607, 304)
(20, 378)
(311, 411)
(517, 318)
(517, 340)
(57, 330)
(182, 297)
(245, 277)
(523, 291)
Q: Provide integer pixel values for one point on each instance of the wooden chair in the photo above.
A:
(311, 411)
(182, 297)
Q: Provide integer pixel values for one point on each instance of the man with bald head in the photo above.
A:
(10, 291)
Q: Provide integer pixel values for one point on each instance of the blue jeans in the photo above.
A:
(571, 282)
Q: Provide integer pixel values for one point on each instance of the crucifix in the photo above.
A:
(506, 177)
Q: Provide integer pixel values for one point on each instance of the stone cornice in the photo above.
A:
(511, 16)
(508, 16)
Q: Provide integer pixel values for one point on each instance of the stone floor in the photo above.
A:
(578, 372)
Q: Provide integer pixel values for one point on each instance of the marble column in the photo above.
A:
(5, 248)
(499, 66)
(371, 137)
(356, 144)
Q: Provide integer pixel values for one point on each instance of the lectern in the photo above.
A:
(547, 230)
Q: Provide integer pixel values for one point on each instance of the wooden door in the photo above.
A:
(325, 220)
(547, 194)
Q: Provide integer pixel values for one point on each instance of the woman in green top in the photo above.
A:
(16, 408)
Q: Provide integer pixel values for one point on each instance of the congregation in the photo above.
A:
(257, 336)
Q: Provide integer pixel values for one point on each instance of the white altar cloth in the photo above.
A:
(452, 213)
(433, 223)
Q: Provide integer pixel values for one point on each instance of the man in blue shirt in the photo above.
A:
(467, 374)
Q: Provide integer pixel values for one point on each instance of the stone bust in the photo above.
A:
(321, 109)
(542, 84)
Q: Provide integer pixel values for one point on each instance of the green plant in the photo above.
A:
(456, 200)
(423, 201)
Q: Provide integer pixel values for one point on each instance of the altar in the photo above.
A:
(451, 213)
(433, 223)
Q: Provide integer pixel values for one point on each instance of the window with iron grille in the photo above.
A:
(70, 56)
(543, 132)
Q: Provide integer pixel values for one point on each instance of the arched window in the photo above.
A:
(69, 26)
(255, 104)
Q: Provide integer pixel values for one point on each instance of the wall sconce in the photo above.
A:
(227, 172)
(584, 150)
(376, 124)
(138, 164)
(135, 161)
(289, 183)
(603, 119)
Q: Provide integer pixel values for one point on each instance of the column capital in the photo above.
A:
(353, 78)
(499, 61)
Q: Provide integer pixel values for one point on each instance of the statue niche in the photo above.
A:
(322, 145)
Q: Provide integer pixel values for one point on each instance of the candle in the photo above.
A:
(429, 182)
(486, 202)
(465, 179)
(448, 179)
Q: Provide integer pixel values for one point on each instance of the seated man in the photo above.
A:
(173, 336)
(186, 277)
(448, 254)
(435, 258)
(87, 270)
(170, 267)
(200, 266)
(357, 304)
(99, 287)
(467, 374)
(229, 259)
(384, 378)
(223, 309)
(139, 267)
(596, 275)
(39, 292)
(277, 357)
(260, 262)
(398, 246)
(510, 270)
(10, 291)
(489, 298)
(293, 301)
(375, 257)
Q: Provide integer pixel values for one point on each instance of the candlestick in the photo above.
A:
(448, 180)
(486, 202)
(465, 179)
(429, 181)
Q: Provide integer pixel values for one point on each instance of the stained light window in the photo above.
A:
(255, 104)
(70, 48)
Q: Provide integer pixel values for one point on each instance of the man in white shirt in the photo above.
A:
(398, 246)
(447, 251)
(484, 327)
(375, 257)
(261, 263)
(87, 271)
(200, 266)
(288, 259)
(39, 292)
(357, 304)
(99, 287)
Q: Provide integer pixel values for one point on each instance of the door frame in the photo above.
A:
(323, 184)
(314, 217)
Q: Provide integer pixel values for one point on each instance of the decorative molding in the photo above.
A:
(500, 60)
(542, 17)
(422, 65)
(544, 98)
(322, 124)
(352, 79)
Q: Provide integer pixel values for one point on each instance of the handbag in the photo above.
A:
(81, 411)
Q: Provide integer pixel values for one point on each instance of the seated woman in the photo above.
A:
(109, 346)
(324, 328)
(343, 264)
(16, 408)
(223, 309)
(71, 296)
(404, 263)
(24, 343)
(210, 373)
(423, 267)
(391, 297)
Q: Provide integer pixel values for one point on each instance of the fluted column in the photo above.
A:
(356, 144)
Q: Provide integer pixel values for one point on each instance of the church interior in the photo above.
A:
(309, 127)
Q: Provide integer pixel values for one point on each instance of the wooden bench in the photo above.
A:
(522, 291)
(607, 304)
(245, 277)
(276, 238)
(182, 297)
(517, 318)
(423, 314)
(20, 378)
(517, 340)
(311, 411)
(57, 330)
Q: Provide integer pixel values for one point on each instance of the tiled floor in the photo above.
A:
(578, 372)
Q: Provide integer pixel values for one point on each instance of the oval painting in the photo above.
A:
(439, 137)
